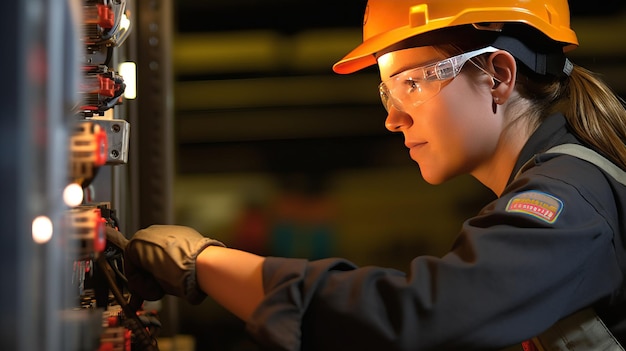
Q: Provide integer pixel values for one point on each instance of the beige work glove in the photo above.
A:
(161, 259)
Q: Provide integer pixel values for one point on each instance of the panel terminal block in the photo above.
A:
(106, 25)
(115, 336)
(88, 151)
(99, 19)
(86, 232)
(102, 90)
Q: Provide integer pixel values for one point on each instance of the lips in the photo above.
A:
(414, 148)
(411, 145)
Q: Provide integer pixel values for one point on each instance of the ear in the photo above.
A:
(503, 64)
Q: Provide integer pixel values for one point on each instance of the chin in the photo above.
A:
(434, 178)
(437, 175)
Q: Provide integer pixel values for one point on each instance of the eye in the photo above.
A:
(412, 85)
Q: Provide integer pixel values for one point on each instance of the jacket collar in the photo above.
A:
(552, 131)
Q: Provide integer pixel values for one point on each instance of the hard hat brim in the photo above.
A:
(364, 54)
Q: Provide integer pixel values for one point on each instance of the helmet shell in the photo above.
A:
(388, 22)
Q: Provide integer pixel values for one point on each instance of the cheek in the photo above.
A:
(476, 132)
(455, 117)
(466, 128)
(470, 109)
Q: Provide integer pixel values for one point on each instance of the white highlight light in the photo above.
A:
(42, 229)
(128, 71)
(125, 22)
(73, 195)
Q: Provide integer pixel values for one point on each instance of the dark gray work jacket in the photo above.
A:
(548, 247)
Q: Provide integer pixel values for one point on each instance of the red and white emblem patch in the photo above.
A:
(537, 204)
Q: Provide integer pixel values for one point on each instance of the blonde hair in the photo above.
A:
(593, 111)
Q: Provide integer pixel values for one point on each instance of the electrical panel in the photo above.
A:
(99, 139)
(70, 173)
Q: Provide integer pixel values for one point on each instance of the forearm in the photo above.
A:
(231, 277)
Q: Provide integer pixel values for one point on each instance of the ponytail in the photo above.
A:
(593, 111)
(596, 114)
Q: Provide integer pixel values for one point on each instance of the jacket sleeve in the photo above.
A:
(540, 252)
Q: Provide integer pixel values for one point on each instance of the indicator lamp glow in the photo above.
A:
(128, 71)
(73, 195)
(42, 229)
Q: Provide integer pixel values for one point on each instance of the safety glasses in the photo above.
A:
(415, 86)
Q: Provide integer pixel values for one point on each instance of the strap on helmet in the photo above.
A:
(553, 63)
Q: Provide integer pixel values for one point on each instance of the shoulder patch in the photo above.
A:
(537, 204)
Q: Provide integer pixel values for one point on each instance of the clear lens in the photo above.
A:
(415, 86)
(384, 96)
(407, 91)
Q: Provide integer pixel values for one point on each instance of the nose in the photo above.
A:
(397, 121)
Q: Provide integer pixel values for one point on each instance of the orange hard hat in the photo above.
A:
(389, 22)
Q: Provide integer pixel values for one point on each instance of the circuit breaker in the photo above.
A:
(111, 319)
(69, 172)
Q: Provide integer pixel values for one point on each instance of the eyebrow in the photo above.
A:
(402, 69)
(408, 67)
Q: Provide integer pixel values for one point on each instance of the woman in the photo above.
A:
(476, 87)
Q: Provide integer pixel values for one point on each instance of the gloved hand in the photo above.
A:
(161, 259)
(115, 240)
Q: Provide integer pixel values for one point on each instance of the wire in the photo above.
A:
(121, 8)
(145, 340)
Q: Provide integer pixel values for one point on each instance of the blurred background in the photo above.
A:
(276, 154)
(237, 127)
